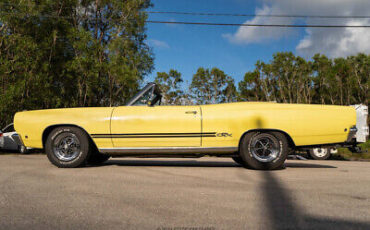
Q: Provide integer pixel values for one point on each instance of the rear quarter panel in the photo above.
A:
(306, 124)
(30, 125)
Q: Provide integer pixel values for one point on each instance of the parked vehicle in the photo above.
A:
(258, 135)
(1, 139)
(10, 140)
(322, 153)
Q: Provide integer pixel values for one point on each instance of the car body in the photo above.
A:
(10, 140)
(324, 152)
(150, 129)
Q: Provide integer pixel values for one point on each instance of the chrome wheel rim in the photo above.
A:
(320, 152)
(265, 149)
(66, 147)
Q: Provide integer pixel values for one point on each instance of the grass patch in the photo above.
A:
(345, 154)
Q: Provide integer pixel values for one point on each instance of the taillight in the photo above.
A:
(1, 134)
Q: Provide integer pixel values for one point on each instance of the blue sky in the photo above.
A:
(187, 47)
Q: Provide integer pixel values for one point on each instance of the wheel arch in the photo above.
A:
(291, 143)
(50, 128)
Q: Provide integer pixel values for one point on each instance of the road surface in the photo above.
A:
(205, 193)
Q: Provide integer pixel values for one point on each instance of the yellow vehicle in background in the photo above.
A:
(258, 135)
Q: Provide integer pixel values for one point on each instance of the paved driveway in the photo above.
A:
(205, 193)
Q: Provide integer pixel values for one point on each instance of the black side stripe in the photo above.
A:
(154, 135)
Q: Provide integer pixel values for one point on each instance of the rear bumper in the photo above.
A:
(352, 134)
(362, 133)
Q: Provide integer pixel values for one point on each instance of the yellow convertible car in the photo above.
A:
(258, 135)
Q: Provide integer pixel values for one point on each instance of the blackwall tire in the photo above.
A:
(264, 150)
(68, 147)
(238, 160)
(97, 158)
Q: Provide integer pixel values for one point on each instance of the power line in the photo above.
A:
(210, 23)
(255, 15)
(244, 15)
(260, 25)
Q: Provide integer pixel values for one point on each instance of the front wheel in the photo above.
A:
(264, 150)
(68, 147)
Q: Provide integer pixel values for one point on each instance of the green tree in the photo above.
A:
(71, 53)
(360, 72)
(292, 79)
(170, 85)
(212, 86)
(250, 87)
(323, 75)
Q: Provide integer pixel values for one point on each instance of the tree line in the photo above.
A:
(73, 53)
(287, 78)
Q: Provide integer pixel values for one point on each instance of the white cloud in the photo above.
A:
(334, 42)
(339, 42)
(246, 35)
(158, 43)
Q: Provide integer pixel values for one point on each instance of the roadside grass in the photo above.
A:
(345, 154)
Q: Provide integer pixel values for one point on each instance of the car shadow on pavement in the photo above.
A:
(195, 163)
(284, 213)
(307, 165)
(171, 163)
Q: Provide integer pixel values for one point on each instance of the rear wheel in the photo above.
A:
(68, 147)
(264, 150)
(319, 153)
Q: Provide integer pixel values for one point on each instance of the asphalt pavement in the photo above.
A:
(205, 193)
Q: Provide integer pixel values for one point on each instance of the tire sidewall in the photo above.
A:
(97, 158)
(238, 160)
(84, 154)
(256, 164)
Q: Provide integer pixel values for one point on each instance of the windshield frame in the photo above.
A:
(154, 98)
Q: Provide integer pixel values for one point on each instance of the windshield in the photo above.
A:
(8, 128)
(150, 95)
(144, 99)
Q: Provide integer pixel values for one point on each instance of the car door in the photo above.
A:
(156, 126)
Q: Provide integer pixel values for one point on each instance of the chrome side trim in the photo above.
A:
(168, 150)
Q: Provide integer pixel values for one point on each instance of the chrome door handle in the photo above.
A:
(191, 112)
